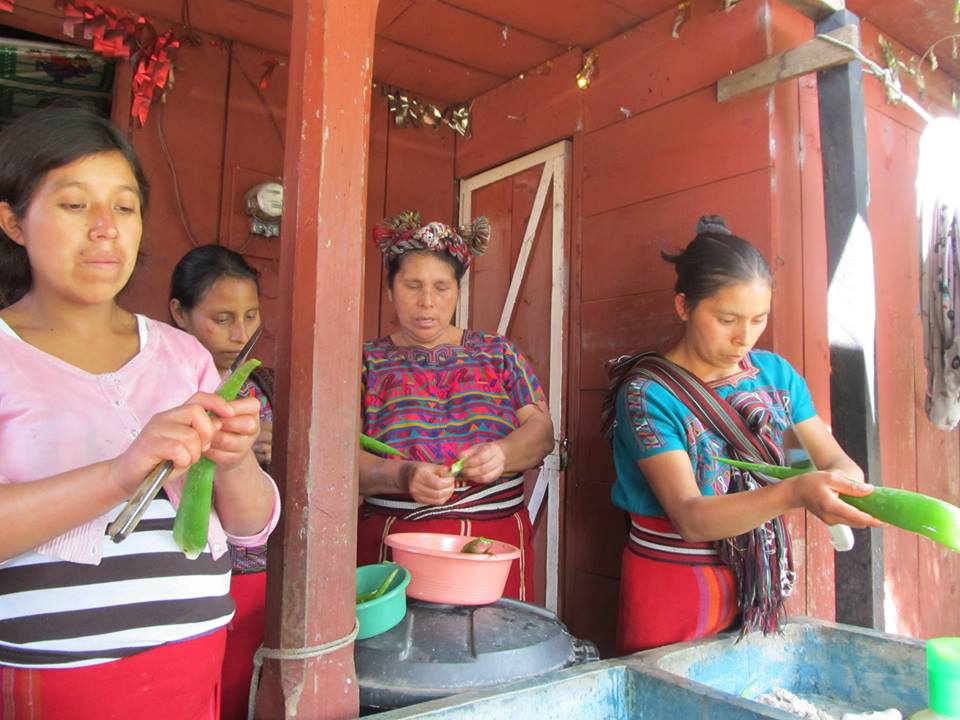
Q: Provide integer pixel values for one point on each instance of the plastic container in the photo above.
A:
(381, 614)
(943, 675)
(442, 573)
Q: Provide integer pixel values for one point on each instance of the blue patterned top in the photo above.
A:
(652, 420)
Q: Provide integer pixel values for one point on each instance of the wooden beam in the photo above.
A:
(851, 318)
(258, 25)
(312, 556)
(810, 57)
(816, 9)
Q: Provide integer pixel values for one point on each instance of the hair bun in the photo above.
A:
(712, 224)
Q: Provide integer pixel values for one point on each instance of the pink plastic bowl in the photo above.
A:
(441, 573)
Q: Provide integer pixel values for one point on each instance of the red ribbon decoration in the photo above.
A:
(6, 5)
(152, 74)
(117, 34)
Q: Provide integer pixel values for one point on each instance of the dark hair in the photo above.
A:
(30, 147)
(395, 262)
(716, 258)
(200, 268)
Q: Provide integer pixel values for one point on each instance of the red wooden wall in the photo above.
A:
(652, 151)
(922, 579)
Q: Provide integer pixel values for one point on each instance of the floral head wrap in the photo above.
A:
(404, 232)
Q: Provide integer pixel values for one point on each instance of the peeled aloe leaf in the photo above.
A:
(192, 523)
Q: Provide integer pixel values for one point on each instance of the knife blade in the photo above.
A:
(136, 506)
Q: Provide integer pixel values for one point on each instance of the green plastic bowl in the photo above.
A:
(379, 615)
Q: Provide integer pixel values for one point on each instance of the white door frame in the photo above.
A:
(555, 159)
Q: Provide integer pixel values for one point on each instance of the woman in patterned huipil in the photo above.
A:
(439, 393)
(215, 296)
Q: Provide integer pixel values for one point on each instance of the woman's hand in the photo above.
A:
(237, 433)
(179, 435)
(483, 463)
(818, 492)
(263, 446)
(426, 483)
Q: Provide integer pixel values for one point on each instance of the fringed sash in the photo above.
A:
(761, 558)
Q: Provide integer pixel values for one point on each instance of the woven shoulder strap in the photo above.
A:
(711, 410)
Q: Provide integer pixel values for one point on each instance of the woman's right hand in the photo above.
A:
(426, 483)
(179, 435)
(818, 492)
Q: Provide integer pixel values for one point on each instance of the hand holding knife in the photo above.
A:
(133, 511)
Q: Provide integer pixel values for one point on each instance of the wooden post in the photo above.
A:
(851, 312)
(311, 583)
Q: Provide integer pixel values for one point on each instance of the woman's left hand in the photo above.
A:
(483, 463)
(231, 445)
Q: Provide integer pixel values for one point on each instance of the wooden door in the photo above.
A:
(519, 289)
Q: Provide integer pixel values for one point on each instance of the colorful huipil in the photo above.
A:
(431, 404)
(672, 590)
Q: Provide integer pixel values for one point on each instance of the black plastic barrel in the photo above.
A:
(441, 650)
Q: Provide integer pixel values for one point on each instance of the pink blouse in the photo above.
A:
(56, 417)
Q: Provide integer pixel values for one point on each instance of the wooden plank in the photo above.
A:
(816, 9)
(630, 324)
(311, 579)
(784, 252)
(815, 367)
(533, 221)
(558, 343)
(429, 77)
(612, 268)
(646, 66)
(681, 145)
(892, 150)
(539, 108)
(814, 55)
(257, 26)
(374, 275)
(581, 23)
(469, 39)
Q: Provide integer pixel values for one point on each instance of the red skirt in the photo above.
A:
(667, 593)
(244, 636)
(514, 529)
(179, 680)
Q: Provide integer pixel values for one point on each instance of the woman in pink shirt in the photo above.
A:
(92, 397)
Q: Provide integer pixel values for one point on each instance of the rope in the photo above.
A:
(883, 74)
(265, 653)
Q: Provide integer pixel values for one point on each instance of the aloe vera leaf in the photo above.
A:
(775, 471)
(192, 523)
(477, 546)
(374, 594)
(457, 467)
(371, 445)
(922, 514)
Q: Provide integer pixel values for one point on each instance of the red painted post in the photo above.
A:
(313, 553)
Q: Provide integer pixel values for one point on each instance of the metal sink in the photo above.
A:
(839, 668)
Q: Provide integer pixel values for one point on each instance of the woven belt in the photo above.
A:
(656, 539)
(497, 500)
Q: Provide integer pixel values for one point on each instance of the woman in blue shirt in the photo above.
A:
(700, 553)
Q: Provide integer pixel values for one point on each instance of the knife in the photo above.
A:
(136, 506)
(796, 456)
